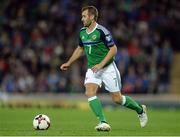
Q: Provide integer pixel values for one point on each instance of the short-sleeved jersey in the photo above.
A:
(96, 44)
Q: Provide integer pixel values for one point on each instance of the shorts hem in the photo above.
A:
(92, 83)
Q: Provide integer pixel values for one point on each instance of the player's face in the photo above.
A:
(86, 18)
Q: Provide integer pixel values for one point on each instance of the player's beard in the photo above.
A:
(88, 23)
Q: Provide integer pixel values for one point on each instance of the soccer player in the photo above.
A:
(97, 43)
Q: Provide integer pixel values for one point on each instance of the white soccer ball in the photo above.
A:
(41, 122)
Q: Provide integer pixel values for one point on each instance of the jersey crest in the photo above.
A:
(94, 37)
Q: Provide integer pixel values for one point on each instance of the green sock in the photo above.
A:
(132, 104)
(96, 106)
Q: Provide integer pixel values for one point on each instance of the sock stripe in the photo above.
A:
(123, 100)
(92, 98)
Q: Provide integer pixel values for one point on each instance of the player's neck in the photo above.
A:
(91, 27)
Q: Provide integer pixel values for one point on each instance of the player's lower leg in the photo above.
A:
(140, 109)
(132, 104)
(96, 107)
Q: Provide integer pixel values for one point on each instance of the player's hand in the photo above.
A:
(96, 68)
(64, 66)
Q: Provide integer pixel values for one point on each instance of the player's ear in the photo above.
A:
(92, 17)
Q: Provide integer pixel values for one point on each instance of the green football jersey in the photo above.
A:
(96, 44)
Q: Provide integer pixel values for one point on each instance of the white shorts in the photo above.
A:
(109, 75)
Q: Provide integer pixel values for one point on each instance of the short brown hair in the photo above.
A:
(92, 10)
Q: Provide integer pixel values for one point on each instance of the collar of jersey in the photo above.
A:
(92, 30)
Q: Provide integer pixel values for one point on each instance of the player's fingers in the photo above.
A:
(63, 67)
(94, 69)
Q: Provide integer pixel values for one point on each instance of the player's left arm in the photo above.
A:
(112, 52)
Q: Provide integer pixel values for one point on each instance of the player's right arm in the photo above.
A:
(76, 54)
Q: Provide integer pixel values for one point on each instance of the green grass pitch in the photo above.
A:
(78, 122)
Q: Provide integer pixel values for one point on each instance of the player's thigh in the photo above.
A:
(91, 89)
(112, 79)
(92, 77)
(117, 97)
(92, 82)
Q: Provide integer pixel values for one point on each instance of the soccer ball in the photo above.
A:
(41, 122)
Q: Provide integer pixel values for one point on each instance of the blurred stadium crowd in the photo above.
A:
(36, 36)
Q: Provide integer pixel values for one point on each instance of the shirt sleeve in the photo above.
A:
(107, 38)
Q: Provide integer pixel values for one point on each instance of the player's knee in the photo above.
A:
(90, 93)
(117, 99)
